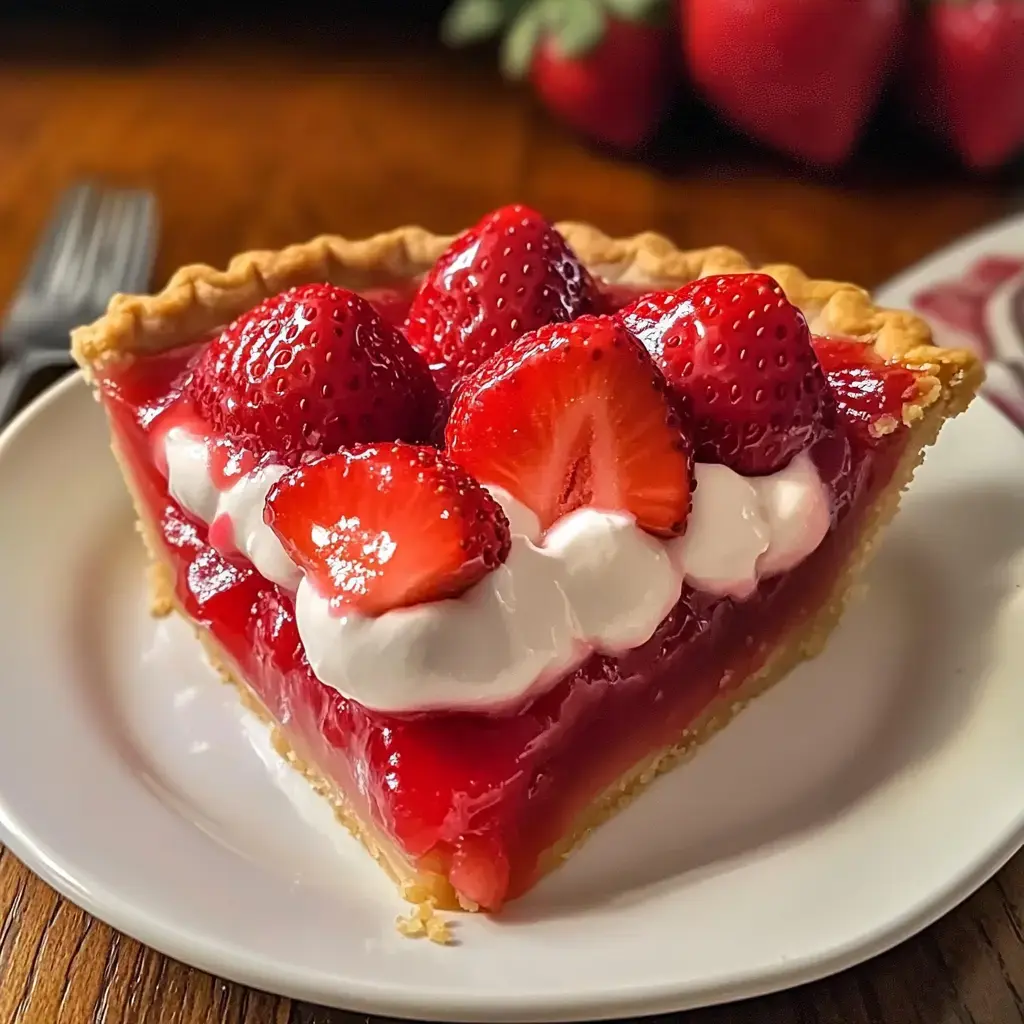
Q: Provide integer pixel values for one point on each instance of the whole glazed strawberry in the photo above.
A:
(601, 66)
(739, 356)
(509, 274)
(313, 369)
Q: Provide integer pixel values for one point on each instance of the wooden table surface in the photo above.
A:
(260, 144)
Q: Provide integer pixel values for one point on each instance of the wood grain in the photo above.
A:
(252, 143)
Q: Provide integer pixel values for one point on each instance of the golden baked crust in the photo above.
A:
(199, 299)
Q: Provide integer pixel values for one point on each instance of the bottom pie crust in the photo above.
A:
(430, 890)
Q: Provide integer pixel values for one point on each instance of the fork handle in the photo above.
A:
(17, 374)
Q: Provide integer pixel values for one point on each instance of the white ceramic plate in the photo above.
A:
(862, 798)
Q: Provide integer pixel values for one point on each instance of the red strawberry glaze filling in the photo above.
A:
(481, 798)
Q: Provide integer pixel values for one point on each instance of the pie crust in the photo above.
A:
(199, 299)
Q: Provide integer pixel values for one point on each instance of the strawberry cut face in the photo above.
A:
(572, 415)
(378, 528)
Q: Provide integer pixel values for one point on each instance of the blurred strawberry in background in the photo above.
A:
(800, 76)
(966, 76)
(604, 67)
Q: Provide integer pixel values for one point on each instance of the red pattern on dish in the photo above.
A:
(961, 303)
(482, 797)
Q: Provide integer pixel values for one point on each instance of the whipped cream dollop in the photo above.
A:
(483, 649)
(235, 513)
(742, 529)
(594, 581)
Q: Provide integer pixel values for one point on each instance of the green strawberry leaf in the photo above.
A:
(577, 25)
(470, 21)
(653, 11)
(521, 40)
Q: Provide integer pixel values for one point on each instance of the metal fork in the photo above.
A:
(98, 242)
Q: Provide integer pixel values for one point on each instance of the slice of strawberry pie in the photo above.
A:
(496, 529)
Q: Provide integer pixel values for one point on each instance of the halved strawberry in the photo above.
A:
(382, 527)
(313, 369)
(511, 273)
(576, 414)
(739, 356)
(869, 392)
